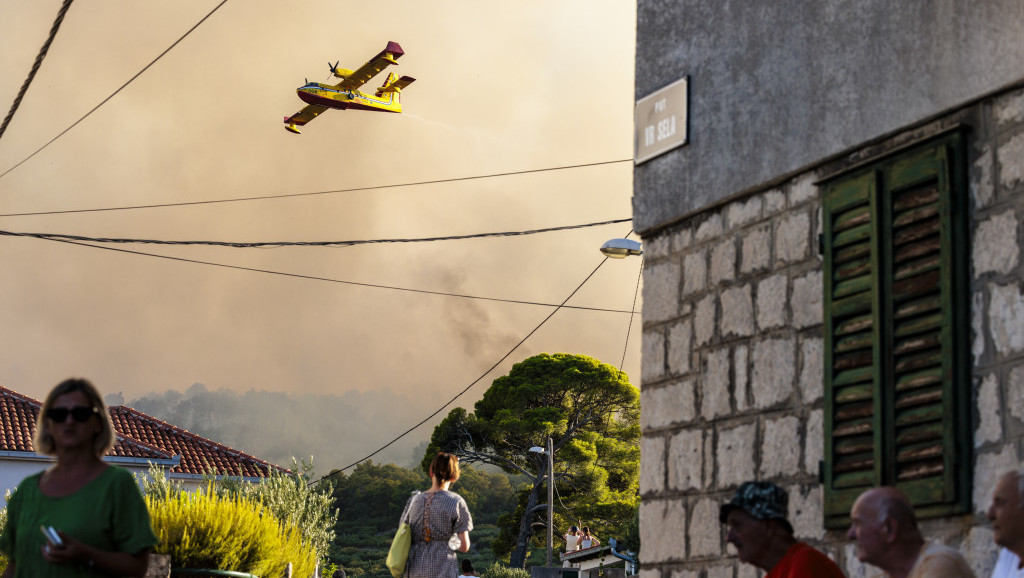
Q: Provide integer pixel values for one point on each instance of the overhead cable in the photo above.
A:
(341, 281)
(310, 194)
(35, 66)
(278, 244)
(113, 94)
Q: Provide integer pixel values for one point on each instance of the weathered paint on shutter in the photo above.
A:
(853, 432)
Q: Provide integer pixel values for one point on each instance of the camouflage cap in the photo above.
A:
(762, 500)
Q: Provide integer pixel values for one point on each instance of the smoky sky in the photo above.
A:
(499, 89)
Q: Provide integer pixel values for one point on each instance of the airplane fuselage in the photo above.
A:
(325, 95)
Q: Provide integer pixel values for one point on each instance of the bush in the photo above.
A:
(206, 530)
(499, 571)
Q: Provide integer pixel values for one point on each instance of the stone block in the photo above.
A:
(681, 574)
(715, 384)
(159, 566)
(812, 373)
(705, 532)
(661, 291)
(695, 274)
(680, 347)
(805, 512)
(686, 460)
(665, 406)
(995, 247)
(1010, 162)
(792, 237)
(657, 247)
(780, 455)
(982, 190)
(740, 380)
(1006, 318)
(737, 312)
(656, 573)
(725, 571)
(814, 441)
(987, 470)
(704, 321)
(990, 421)
(808, 299)
(773, 371)
(723, 262)
(682, 239)
(977, 325)
(710, 228)
(747, 571)
(981, 551)
(743, 212)
(771, 301)
(803, 189)
(1008, 109)
(774, 203)
(756, 254)
(652, 465)
(652, 358)
(735, 455)
(662, 523)
(1015, 393)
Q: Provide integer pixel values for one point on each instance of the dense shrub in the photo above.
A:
(500, 571)
(207, 530)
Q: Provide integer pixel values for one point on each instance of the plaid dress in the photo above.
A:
(445, 513)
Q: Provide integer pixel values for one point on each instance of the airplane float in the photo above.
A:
(320, 97)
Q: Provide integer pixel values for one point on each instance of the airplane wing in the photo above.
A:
(308, 113)
(385, 58)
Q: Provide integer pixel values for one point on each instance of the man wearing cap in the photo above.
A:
(756, 519)
(1007, 517)
(884, 526)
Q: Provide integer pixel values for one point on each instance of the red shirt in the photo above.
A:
(802, 561)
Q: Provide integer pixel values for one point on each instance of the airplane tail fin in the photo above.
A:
(394, 84)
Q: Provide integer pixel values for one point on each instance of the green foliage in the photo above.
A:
(207, 530)
(3, 524)
(501, 571)
(591, 412)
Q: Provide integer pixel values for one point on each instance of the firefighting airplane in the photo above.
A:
(320, 97)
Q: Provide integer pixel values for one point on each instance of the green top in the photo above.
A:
(108, 513)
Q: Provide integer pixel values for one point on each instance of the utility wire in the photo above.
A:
(278, 244)
(341, 281)
(629, 327)
(309, 194)
(112, 95)
(477, 380)
(35, 66)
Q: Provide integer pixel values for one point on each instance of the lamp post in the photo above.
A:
(551, 493)
(622, 248)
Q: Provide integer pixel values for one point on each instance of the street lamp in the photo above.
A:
(551, 493)
(622, 248)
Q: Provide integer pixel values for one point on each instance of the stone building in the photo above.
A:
(833, 279)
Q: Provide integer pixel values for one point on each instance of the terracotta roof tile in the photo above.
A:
(138, 436)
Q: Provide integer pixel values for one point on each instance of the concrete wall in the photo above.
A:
(732, 376)
(778, 85)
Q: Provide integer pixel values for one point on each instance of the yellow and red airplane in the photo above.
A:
(320, 97)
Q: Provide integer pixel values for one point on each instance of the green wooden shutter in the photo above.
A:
(896, 377)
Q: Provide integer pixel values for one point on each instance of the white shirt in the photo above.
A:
(1007, 565)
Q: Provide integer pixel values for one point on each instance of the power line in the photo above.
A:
(35, 66)
(309, 194)
(478, 379)
(629, 327)
(341, 281)
(113, 94)
(279, 244)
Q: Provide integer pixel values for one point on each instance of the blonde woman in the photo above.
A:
(96, 509)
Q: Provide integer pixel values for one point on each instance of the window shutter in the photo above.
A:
(896, 375)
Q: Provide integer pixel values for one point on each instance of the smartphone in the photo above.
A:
(52, 536)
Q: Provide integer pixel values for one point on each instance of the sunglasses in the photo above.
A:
(79, 413)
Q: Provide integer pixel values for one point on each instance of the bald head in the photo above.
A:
(891, 504)
(883, 524)
(1006, 513)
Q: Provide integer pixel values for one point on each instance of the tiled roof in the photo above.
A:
(138, 436)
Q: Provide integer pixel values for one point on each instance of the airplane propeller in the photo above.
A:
(333, 67)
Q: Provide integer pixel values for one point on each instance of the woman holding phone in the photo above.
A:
(96, 510)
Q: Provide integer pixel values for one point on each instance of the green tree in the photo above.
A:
(591, 412)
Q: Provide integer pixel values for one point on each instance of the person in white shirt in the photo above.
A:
(467, 569)
(1007, 517)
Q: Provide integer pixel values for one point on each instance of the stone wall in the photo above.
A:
(732, 376)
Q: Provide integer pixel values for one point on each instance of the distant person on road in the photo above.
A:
(756, 520)
(440, 523)
(467, 569)
(884, 526)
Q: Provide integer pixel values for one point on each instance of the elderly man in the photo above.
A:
(884, 526)
(756, 519)
(1007, 516)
